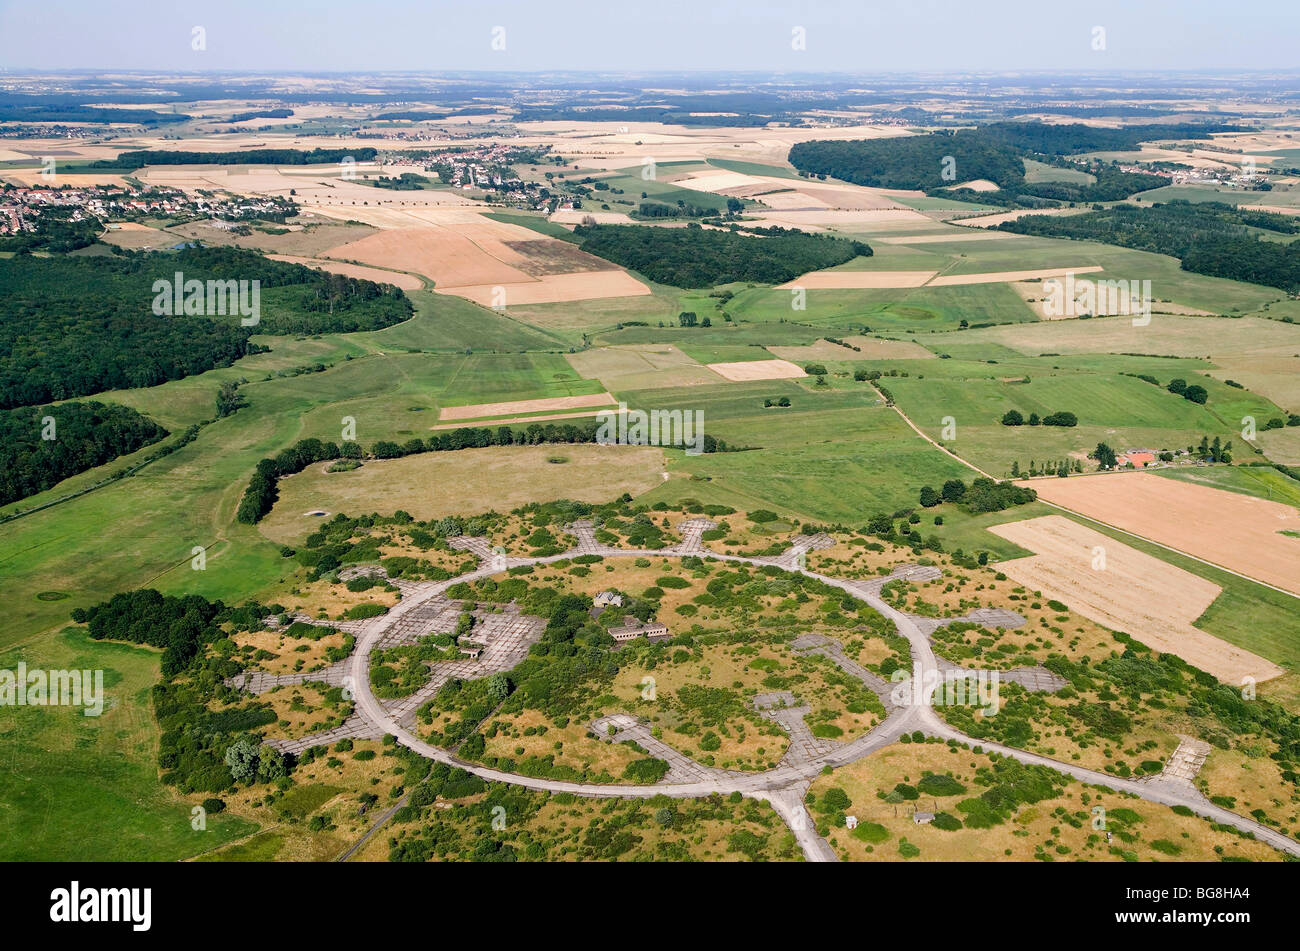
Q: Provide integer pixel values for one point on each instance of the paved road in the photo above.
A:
(784, 786)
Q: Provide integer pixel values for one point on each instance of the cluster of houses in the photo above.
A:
(487, 167)
(1234, 177)
(21, 207)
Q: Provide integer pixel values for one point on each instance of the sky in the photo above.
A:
(865, 37)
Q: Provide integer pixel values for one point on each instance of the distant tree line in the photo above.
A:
(659, 209)
(64, 108)
(939, 160)
(261, 114)
(1209, 238)
(143, 157)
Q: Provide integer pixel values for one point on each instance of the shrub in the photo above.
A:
(936, 785)
(648, 770)
(946, 822)
(870, 832)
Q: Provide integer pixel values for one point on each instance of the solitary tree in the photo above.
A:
(498, 687)
(1105, 456)
(241, 759)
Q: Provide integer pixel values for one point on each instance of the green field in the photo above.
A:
(919, 310)
(754, 168)
(75, 785)
(536, 223)
(832, 455)
(1120, 410)
(1258, 481)
(654, 189)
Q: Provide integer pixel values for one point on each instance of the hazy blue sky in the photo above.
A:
(866, 36)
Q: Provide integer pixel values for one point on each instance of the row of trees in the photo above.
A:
(1062, 467)
(143, 157)
(982, 495)
(1014, 418)
(1194, 393)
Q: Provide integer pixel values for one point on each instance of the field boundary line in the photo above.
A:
(1097, 521)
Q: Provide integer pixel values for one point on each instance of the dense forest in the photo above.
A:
(261, 114)
(993, 152)
(24, 108)
(1210, 238)
(698, 257)
(40, 447)
(143, 157)
(73, 326)
(1111, 184)
(912, 161)
(1072, 139)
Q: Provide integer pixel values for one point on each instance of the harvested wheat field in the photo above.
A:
(571, 217)
(524, 407)
(434, 484)
(552, 289)
(853, 280)
(1130, 592)
(513, 420)
(442, 255)
(991, 221)
(998, 277)
(1228, 529)
(746, 370)
(407, 282)
(35, 178)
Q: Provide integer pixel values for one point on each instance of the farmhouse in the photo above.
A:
(631, 627)
(608, 597)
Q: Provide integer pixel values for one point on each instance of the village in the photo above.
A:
(21, 208)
